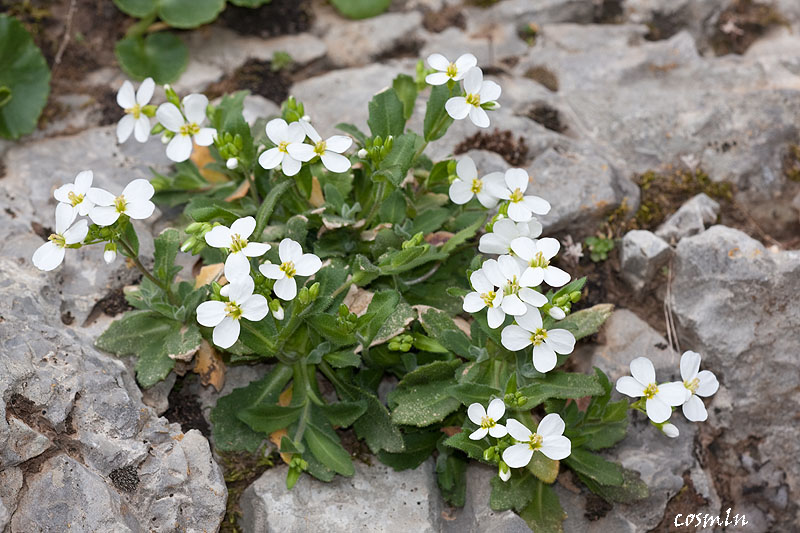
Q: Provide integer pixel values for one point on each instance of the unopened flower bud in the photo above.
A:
(557, 313)
(504, 471)
(313, 292)
(232, 163)
(306, 118)
(278, 313)
(489, 453)
(188, 244)
(670, 430)
(363, 153)
(303, 296)
(165, 139)
(110, 253)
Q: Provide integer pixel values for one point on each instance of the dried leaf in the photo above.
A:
(208, 274)
(357, 300)
(317, 198)
(438, 238)
(276, 436)
(370, 234)
(240, 192)
(209, 366)
(201, 156)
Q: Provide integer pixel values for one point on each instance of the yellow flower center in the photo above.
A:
(120, 204)
(452, 70)
(538, 336)
(474, 99)
(539, 260)
(282, 146)
(58, 240)
(692, 385)
(535, 441)
(237, 243)
(233, 310)
(288, 269)
(190, 129)
(488, 298)
(477, 185)
(511, 287)
(487, 422)
(74, 199)
(136, 111)
(650, 391)
(516, 196)
(319, 148)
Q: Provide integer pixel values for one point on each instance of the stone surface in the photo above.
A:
(643, 254)
(73, 419)
(736, 302)
(690, 219)
(355, 43)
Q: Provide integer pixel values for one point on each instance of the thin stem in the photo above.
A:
(375, 205)
(135, 258)
(342, 287)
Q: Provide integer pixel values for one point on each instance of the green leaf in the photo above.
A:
(632, 488)
(430, 220)
(203, 209)
(436, 118)
(463, 236)
(386, 114)
(162, 56)
(469, 393)
(406, 89)
(543, 468)
(137, 8)
(383, 304)
(418, 446)
(393, 209)
(325, 446)
(544, 513)
(423, 397)
(395, 165)
(461, 441)
(268, 418)
(595, 467)
(166, 250)
(343, 414)
(516, 493)
(343, 359)
(189, 13)
(587, 321)
(441, 327)
(451, 473)
(329, 327)
(250, 3)
(352, 130)
(560, 385)
(230, 433)
(25, 78)
(361, 9)
(268, 205)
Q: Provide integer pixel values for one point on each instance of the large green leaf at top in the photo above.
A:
(137, 8)
(24, 80)
(386, 114)
(250, 3)
(161, 56)
(180, 13)
(361, 9)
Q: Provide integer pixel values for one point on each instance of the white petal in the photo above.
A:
(512, 305)
(310, 131)
(48, 256)
(642, 370)
(125, 128)
(524, 247)
(473, 80)
(657, 410)
(673, 394)
(170, 116)
(480, 282)
(531, 320)
(65, 214)
(476, 412)
(244, 227)
(100, 196)
(255, 308)
(479, 117)
(630, 387)
(690, 365)
(518, 212)
(491, 268)
(307, 265)
(62, 193)
(551, 425)
(532, 277)
(708, 384)
(290, 166)
(84, 207)
(560, 340)
(289, 250)
(495, 317)
(270, 159)
(277, 130)
(518, 430)
(126, 98)
(226, 333)
(517, 178)
(556, 448)
(237, 266)
(508, 266)
(557, 313)
(538, 205)
(77, 233)
(532, 297)
(241, 288)
(104, 215)
(457, 107)
(515, 338)
(142, 129)
(219, 237)
(437, 78)
(555, 277)
(548, 246)
(460, 192)
(487, 199)
(464, 63)
(694, 410)
(210, 313)
(518, 455)
(496, 409)
(492, 243)
(498, 431)
(466, 170)
(139, 210)
(338, 143)
(205, 137)
(145, 92)
(670, 431)
(490, 91)
(438, 62)
(194, 106)
(296, 133)
(271, 271)
(256, 249)
(301, 151)
(137, 190)
(533, 228)
(286, 289)
(335, 162)
(478, 434)
(544, 358)
(179, 148)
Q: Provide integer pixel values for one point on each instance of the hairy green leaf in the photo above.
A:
(162, 56)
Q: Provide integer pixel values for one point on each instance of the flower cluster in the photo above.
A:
(516, 443)
(290, 150)
(102, 207)
(479, 95)
(660, 399)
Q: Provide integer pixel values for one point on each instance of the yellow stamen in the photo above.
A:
(538, 336)
(487, 423)
(650, 391)
(692, 385)
(136, 111)
(535, 441)
(288, 269)
(539, 260)
(488, 298)
(58, 240)
(233, 310)
(474, 99)
(477, 186)
(120, 204)
(452, 70)
(516, 196)
(74, 199)
(319, 148)
(237, 243)
(190, 129)
(511, 287)
(282, 147)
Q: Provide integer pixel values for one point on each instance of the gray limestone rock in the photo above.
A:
(358, 42)
(692, 218)
(643, 254)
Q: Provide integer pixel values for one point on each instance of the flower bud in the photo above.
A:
(278, 313)
(165, 139)
(504, 471)
(557, 313)
(670, 430)
(194, 227)
(188, 244)
(575, 296)
(232, 163)
(110, 253)
(306, 117)
(489, 453)
(363, 153)
(313, 292)
(303, 296)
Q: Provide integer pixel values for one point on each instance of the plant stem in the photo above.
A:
(135, 258)
(378, 198)
(342, 287)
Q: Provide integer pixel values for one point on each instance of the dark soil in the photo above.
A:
(544, 76)
(596, 507)
(608, 11)
(257, 77)
(686, 501)
(185, 409)
(547, 116)
(241, 470)
(114, 303)
(125, 478)
(447, 17)
(514, 151)
(664, 25)
(279, 17)
(741, 24)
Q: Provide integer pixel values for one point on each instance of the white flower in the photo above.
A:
(548, 439)
(467, 184)
(329, 150)
(110, 253)
(537, 254)
(504, 272)
(486, 419)
(503, 471)
(546, 343)
(479, 93)
(660, 398)
(485, 295)
(447, 70)
(293, 263)
(224, 316)
(49, 255)
(521, 207)
(185, 129)
(506, 230)
(670, 431)
(134, 202)
(134, 121)
(697, 383)
(234, 239)
(282, 134)
(73, 195)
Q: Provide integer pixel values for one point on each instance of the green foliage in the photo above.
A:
(599, 248)
(361, 9)
(24, 80)
(162, 56)
(386, 114)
